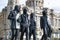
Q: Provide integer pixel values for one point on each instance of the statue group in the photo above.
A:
(22, 23)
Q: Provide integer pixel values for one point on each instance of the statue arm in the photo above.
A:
(41, 22)
(10, 16)
(19, 19)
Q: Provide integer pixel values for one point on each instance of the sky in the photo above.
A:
(3, 3)
(53, 4)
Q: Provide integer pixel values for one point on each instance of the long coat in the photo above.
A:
(32, 24)
(12, 18)
(23, 20)
(43, 22)
(17, 23)
(45, 25)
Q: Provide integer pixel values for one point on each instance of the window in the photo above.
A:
(56, 22)
(59, 22)
(30, 3)
(11, 8)
(52, 21)
(11, 2)
(36, 3)
(33, 3)
(39, 1)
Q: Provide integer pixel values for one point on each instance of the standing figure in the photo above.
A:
(32, 27)
(44, 25)
(12, 18)
(24, 24)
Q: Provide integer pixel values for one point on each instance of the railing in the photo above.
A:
(54, 36)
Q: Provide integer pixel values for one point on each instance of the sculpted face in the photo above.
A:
(44, 12)
(25, 11)
(32, 15)
(17, 8)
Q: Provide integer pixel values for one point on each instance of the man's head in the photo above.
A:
(17, 8)
(32, 15)
(44, 13)
(24, 10)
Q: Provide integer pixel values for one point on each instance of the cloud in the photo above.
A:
(23, 2)
(54, 4)
(3, 3)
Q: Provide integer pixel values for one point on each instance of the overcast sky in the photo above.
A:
(54, 4)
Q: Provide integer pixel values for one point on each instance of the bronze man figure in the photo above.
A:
(12, 18)
(24, 24)
(47, 30)
(32, 27)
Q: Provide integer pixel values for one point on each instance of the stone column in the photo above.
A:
(54, 22)
(57, 23)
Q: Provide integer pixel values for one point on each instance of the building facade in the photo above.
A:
(33, 6)
(36, 7)
(4, 22)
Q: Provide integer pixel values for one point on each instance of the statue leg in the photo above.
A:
(16, 33)
(45, 37)
(45, 34)
(42, 37)
(34, 34)
(12, 36)
(22, 34)
(29, 35)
